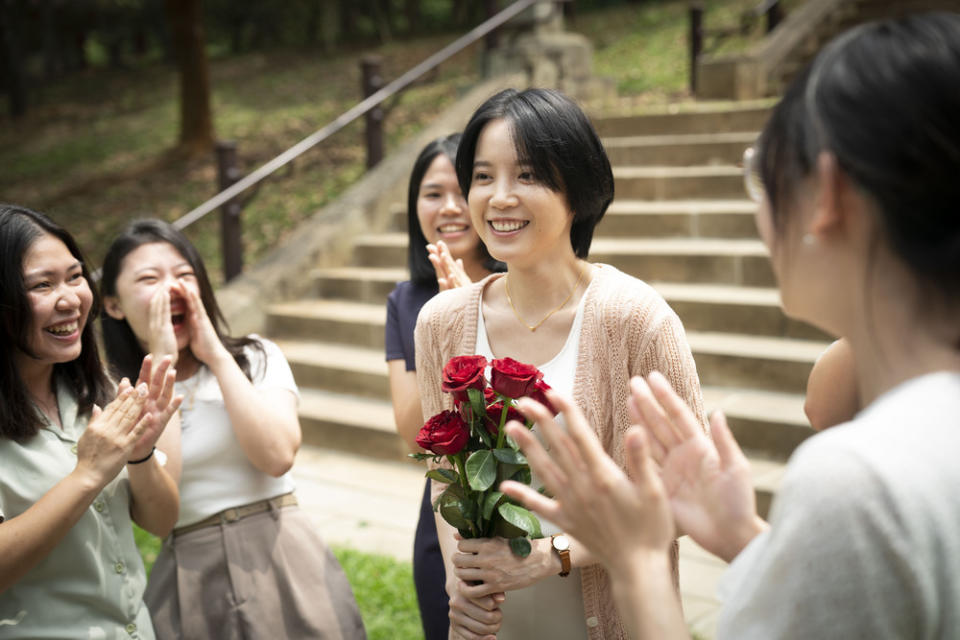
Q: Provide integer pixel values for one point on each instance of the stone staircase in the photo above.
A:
(680, 221)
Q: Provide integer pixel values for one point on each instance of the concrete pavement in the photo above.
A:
(372, 506)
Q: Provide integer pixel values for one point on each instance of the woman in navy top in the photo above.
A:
(437, 216)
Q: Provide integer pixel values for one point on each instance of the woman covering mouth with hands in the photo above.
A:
(72, 477)
(243, 560)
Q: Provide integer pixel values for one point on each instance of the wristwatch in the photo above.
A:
(561, 544)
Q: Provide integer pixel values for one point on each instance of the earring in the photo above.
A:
(809, 239)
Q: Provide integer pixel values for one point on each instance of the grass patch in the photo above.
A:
(382, 586)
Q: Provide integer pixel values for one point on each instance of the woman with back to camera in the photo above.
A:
(856, 178)
(537, 182)
(444, 252)
(72, 477)
(244, 560)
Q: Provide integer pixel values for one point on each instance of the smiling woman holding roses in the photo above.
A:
(538, 181)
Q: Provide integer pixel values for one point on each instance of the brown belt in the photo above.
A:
(239, 513)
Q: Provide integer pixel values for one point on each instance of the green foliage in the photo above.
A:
(385, 594)
(149, 546)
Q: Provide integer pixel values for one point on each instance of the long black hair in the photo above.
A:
(884, 98)
(553, 136)
(19, 229)
(421, 271)
(123, 350)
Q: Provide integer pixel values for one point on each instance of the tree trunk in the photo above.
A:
(196, 122)
(411, 9)
(11, 62)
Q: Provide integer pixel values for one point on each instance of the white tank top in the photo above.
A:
(553, 607)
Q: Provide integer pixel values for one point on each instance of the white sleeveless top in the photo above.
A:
(553, 607)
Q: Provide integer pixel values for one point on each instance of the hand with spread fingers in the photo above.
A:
(160, 403)
(450, 273)
(205, 344)
(708, 480)
(163, 340)
(594, 500)
(112, 433)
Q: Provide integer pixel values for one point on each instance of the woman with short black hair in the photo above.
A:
(855, 176)
(537, 182)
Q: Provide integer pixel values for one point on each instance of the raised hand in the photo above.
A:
(162, 341)
(205, 344)
(111, 435)
(594, 500)
(160, 404)
(450, 272)
(707, 480)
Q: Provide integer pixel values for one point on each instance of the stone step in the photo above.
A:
(365, 427)
(724, 360)
(333, 321)
(707, 260)
(736, 310)
(769, 424)
(703, 260)
(754, 362)
(667, 218)
(360, 284)
(347, 369)
(705, 118)
(672, 183)
(681, 150)
(717, 308)
(351, 423)
(679, 218)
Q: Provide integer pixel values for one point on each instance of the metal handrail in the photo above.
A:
(359, 110)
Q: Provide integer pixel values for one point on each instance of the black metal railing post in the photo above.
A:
(774, 16)
(696, 42)
(372, 79)
(231, 231)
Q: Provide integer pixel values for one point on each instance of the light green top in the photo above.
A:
(91, 585)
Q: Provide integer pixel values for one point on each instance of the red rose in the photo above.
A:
(493, 417)
(539, 395)
(462, 373)
(444, 434)
(489, 395)
(514, 379)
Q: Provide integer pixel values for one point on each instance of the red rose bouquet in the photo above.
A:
(482, 456)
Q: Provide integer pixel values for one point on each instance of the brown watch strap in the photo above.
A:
(564, 557)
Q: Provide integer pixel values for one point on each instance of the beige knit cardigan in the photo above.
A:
(628, 330)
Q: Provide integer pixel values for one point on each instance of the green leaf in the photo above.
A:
(509, 456)
(481, 470)
(443, 475)
(521, 547)
(504, 529)
(522, 475)
(520, 518)
(453, 514)
(421, 456)
(490, 502)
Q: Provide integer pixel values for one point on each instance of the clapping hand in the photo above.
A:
(159, 403)
(707, 480)
(112, 434)
(594, 500)
(450, 272)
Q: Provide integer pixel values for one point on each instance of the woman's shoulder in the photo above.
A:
(624, 297)
(448, 304)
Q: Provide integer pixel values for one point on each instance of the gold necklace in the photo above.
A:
(506, 283)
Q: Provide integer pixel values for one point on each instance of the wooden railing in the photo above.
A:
(770, 10)
(231, 185)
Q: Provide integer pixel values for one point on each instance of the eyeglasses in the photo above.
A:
(752, 183)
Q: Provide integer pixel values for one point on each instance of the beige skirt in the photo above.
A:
(268, 575)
